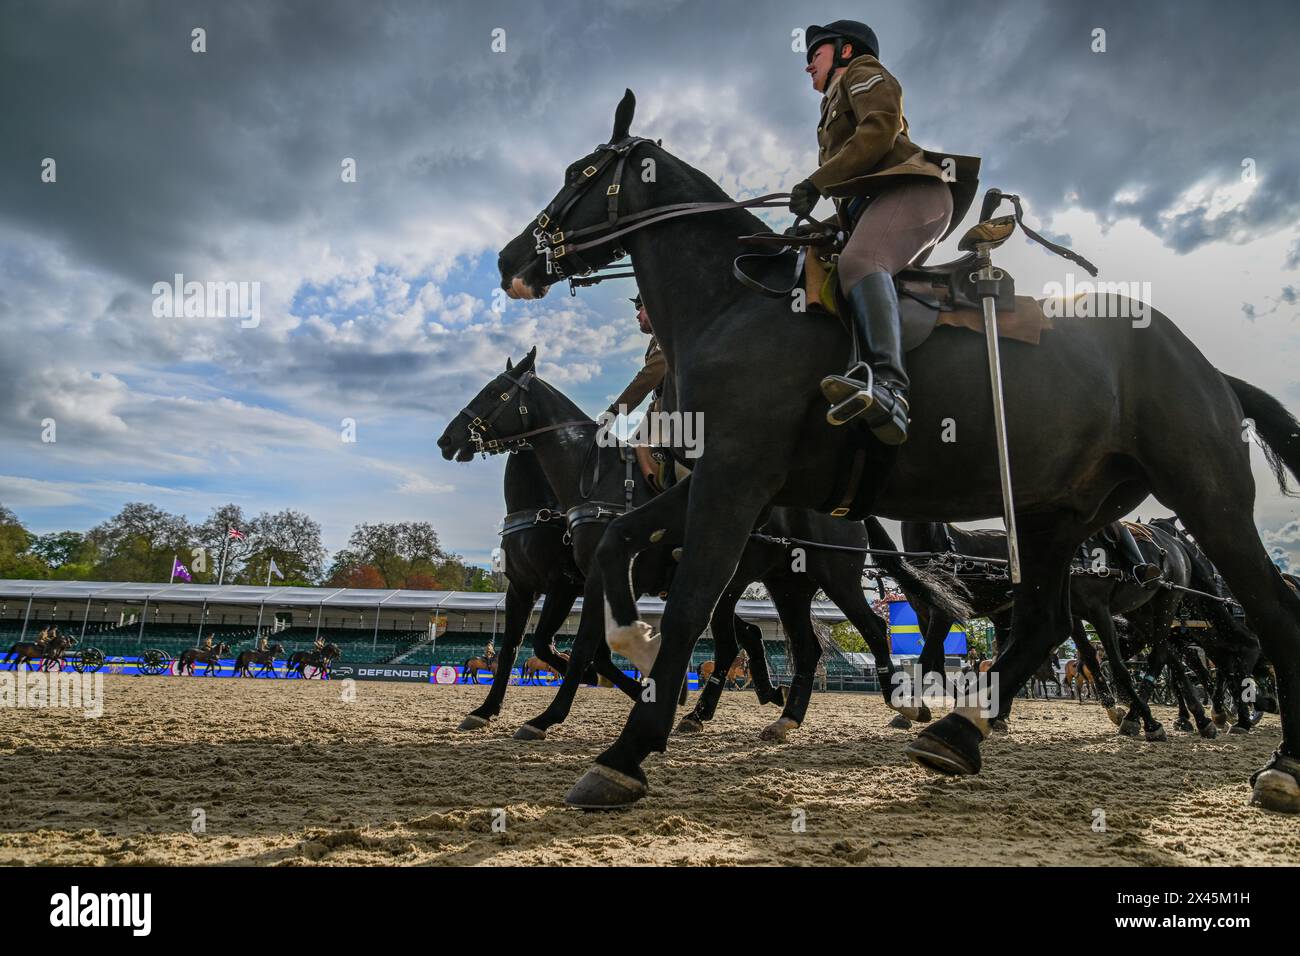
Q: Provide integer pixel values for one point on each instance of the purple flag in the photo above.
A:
(180, 571)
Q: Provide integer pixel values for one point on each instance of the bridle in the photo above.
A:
(481, 429)
(562, 251)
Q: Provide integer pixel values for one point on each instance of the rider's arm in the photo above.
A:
(875, 99)
(651, 374)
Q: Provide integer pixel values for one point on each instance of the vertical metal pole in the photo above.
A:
(203, 612)
(84, 618)
(26, 615)
(224, 545)
(320, 609)
(143, 614)
(988, 279)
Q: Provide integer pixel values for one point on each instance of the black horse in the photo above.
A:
(209, 657)
(538, 562)
(266, 659)
(298, 661)
(565, 443)
(1228, 642)
(50, 652)
(1092, 433)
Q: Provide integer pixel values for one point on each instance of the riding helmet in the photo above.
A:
(859, 34)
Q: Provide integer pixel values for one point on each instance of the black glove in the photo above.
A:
(803, 197)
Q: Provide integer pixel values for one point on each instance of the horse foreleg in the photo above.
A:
(717, 538)
(519, 605)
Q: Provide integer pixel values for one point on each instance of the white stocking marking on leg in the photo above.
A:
(634, 641)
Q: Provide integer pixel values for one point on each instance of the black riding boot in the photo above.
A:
(876, 382)
(1143, 570)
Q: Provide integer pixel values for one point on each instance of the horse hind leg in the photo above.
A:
(1219, 515)
(725, 648)
(1040, 621)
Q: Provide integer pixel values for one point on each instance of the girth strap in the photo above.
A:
(529, 518)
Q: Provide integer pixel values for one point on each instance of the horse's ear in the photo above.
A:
(509, 364)
(529, 360)
(623, 117)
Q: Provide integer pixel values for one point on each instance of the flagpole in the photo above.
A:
(225, 544)
(268, 572)
(173, 577)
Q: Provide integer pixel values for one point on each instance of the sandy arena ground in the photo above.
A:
(288, 773)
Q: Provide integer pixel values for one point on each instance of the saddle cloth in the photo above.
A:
(1025, 324)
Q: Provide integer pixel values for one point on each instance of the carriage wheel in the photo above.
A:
(91, 660)
(155, 662)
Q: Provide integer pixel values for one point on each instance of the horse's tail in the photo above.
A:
(1277, 429)
(947, 596)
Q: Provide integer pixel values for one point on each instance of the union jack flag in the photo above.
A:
(236, 534)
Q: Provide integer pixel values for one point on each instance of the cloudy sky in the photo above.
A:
(1169, 158)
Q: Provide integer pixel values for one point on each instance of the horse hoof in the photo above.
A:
(636, 644)
(473, 722)
(604, 789)
(999, 724)
(1116, 715)
(1238, 729)
(1220, 720)
(689, 725)
(1130, 728)
(778, 730)
(1157, 736)
(950, 746)
(900, 722)
(1183, 725)
(923, 715)
(1277, 789)
(1209, 731)
(529, 732)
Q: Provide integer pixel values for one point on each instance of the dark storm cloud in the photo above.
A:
(159, 147)
(171, 161)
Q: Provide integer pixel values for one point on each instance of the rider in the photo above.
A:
(894, 200)
(651, 377)
(319, 644)
(207, 642)
(261, 644)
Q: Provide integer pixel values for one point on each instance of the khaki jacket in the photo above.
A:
(646, 381)
(863, 143)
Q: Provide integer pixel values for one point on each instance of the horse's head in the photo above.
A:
(276, 648)
(498, 411)
(604, 180)
(330, 651)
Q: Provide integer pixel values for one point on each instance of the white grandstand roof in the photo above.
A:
(242, 594)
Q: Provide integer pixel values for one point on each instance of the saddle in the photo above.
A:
(928, 296)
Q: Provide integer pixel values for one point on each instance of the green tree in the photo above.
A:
(292, 539)
(203, 553)
(138, 543)
(17, 560)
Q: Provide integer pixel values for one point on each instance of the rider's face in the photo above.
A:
(644, 321)
(821, 66)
